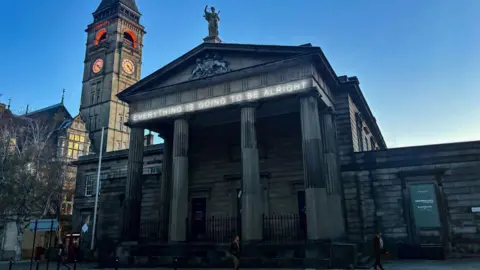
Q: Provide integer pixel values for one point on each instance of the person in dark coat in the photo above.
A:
(61, 255)
(235, 252)
(378, 249)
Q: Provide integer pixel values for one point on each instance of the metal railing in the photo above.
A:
(280, 228)
(153, 232)
(284, 228)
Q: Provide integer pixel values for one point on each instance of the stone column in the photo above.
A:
(179, 202)
(252, 204)
(313, 170)
(332, 173)
(166, 184)
(133, 187)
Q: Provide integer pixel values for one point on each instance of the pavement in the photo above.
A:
(460, 264)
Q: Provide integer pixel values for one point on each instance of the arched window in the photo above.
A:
(100, 36)
(130, 38)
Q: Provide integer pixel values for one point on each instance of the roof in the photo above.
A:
(191, 55)
(362, 105)
(153, 149)
(128, 3)
(48, 111)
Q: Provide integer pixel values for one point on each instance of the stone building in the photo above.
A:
(254, 135)
(112, 63)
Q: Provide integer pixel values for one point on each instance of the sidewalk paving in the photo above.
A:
(460, 264)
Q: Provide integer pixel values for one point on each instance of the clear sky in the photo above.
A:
(418, 61)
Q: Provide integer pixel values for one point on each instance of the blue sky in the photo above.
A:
(418, 61)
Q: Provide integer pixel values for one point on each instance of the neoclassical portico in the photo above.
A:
(289, 85)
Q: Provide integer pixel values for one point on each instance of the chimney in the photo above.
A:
(148, 140)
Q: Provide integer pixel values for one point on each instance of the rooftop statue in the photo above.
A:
(212, 18)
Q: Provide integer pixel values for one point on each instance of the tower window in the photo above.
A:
(130, 38)
(100, 36)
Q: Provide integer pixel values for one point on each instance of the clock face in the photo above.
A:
(97, 65)
(128, 66)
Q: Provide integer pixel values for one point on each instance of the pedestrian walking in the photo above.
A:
(378, 249)
(61, 255)
(235, 252)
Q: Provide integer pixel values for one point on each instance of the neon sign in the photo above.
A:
(216, 102)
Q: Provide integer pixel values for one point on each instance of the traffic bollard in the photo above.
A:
(74, 264)
(116, 263)
(58, 264)
(10, 264)
(38, 265)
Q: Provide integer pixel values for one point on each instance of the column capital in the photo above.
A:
(312, 92)
(250, 104)
(328, 110)
(183, 116)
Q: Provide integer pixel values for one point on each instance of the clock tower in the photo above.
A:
(112, 63)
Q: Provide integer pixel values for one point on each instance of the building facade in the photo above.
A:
(269, 143)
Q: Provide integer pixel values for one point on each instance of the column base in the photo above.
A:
(317, 254)
(124, 253)
(336, 220)
(318, 220)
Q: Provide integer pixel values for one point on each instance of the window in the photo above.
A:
(372, 143)
(120, 122)
(359, 138)
(92, 96)
(67, 208)
(89, 181)
(119, 145)
(61, 147)
(366, 143)
(95, 121)
(75, 145)
(13, 143)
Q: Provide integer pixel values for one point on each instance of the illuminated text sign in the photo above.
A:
(251, 95)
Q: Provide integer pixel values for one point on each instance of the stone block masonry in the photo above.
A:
(377, 192)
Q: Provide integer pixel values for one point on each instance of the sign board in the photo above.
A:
(221, 101)
(424, 205)
(44, 225)
(84, 228)
(476, 209)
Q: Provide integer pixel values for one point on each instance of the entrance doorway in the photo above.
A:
(198, 218)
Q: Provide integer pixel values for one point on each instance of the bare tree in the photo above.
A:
(30, 174)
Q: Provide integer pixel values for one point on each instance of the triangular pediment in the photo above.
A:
(210, 59)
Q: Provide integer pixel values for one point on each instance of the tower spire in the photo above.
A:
(109, 3)
(26, 111)
(63, 95)
(9, 102)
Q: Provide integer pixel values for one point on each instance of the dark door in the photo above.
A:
(198, 217)
(302, 211)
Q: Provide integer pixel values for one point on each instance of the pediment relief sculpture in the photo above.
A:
(208, 66)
